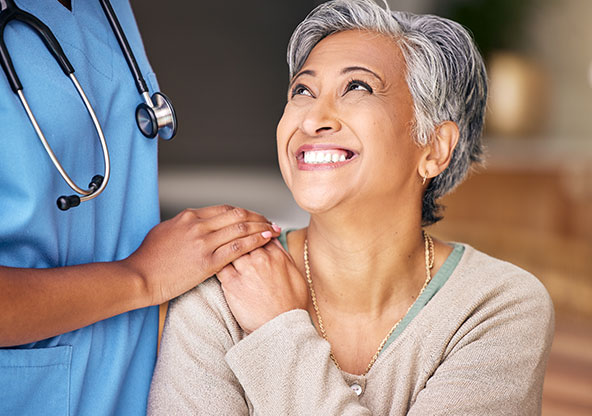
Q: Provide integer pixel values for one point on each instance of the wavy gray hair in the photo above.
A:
(445, 75)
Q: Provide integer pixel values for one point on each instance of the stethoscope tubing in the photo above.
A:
(91, 192)
(158, 108)
(125, 48)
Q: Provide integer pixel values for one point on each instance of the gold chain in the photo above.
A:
(429, 263)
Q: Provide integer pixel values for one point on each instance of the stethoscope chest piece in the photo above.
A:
(157, 119)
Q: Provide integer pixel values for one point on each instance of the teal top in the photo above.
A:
(431, 289)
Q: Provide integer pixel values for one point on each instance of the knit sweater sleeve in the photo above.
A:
(495, 359)
(285, 369)
(191, 376)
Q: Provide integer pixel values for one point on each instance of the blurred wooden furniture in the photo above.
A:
(532, 206)
(534, 210)
(568, 380)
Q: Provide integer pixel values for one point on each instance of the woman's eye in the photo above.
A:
(358, 86)
(301, 90)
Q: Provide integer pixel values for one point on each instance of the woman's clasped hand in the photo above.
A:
(262, 285)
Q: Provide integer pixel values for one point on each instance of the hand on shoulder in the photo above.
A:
(182, 252)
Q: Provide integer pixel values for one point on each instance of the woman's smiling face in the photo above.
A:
(346, 133)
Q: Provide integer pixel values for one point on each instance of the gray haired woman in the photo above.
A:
(363, 312)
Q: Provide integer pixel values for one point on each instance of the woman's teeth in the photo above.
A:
(316, 157)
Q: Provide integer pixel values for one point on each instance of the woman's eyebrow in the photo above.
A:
(343, 72)
(361, 68)
(305, 72)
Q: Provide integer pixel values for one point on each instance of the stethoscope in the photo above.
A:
(155, 116)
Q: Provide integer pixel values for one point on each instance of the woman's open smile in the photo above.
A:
(323, 156)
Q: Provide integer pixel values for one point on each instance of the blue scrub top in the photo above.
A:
(103, 369)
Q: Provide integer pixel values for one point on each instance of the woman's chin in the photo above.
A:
(316, 203)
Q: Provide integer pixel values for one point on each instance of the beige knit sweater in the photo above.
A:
(479, 347)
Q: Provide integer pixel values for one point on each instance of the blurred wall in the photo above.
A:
(223, 65)
(561, 40)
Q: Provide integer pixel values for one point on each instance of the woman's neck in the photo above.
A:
(363, 267)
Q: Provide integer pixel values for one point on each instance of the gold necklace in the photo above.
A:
(429, 263)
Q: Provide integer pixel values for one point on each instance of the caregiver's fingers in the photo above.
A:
(182, 252)
(235, 248)
(219, 216)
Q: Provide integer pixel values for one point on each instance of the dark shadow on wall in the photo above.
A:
(223, 65)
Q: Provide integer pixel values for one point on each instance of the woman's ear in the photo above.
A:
(438, 153)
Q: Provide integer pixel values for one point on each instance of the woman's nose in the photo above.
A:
(321, 118)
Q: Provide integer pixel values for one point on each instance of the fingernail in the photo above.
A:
(266, 234)
(276, 228)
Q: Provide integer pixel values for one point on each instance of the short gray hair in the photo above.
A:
(445, 75)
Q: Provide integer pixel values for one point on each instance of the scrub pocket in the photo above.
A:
(35, 381)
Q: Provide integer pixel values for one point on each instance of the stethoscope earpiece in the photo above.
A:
(95, 183)
(65, 202)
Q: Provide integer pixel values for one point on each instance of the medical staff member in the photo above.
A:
(78, 288)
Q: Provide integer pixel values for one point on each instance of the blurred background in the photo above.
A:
(223, 65)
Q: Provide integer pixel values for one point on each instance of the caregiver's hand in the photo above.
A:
(262, 285)
(182, 252)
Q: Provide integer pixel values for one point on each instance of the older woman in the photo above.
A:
(367, 314)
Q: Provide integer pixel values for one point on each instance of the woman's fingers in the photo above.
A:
(227, 273)
(274, 245)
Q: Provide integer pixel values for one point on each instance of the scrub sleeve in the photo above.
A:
(105, 368)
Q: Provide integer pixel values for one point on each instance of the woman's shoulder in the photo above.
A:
(488, 297)
(205, 306)
(480, 270)
(208, 292)
(489, 286)
(483, 283)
